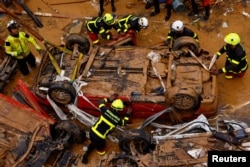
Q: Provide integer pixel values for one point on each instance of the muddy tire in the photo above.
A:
(83, 43)
(67, 127)
(140, 138)
(62, 92)
(186, 41)
(123, 160)
(186, 99)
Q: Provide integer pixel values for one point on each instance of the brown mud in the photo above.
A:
(226, 17)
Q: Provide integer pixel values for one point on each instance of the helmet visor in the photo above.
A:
(110, 22)
(14, 26)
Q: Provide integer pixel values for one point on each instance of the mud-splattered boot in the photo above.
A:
(207, 13)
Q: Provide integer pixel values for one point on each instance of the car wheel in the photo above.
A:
(139, 137)
(83, 43)
(123, 161)
(186, 41)
(67, 127)
(62, 92)
(186, 99)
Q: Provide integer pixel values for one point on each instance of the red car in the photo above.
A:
(148, 79)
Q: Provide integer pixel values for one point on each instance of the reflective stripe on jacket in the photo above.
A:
(107, 121)
(18, 46)
(236, 59)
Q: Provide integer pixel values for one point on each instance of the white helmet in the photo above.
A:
(143, 22)
(12, 24)
(177, 25)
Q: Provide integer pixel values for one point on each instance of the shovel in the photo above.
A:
(197, 59)
(212, 61)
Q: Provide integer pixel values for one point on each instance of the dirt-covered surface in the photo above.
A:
(226, 17)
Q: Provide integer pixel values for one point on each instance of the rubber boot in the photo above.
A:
(86, 154)
(207, 13)
(169, 8)
(195, 9)
(157, 8)
(113, 6)
(148, 5)
(101, 8)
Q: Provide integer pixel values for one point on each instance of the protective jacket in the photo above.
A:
(186, 32)
(98, 26)
(128, 22)
(236, 59)
(17, 46)
(107, 121)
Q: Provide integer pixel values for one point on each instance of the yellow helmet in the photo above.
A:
(232, 39)
(117, 105)
(109, 19)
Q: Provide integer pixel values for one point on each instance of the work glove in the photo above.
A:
(167, 42)
(114, 37)
(216, 72)
(20, 53)
(113, 97)
(41, 51)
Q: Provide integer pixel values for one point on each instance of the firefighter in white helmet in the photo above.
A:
(177, 30)
(16, 45)
(131, 24)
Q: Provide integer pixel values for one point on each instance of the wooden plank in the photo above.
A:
(145, 76)
(90, 61)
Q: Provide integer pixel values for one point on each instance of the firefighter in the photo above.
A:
(236, 59)
(131, 24)
(195, 11)
(105, 124)
(101, 2)
(169, 6)
(16, 45)
(100, 25)
(177, 30)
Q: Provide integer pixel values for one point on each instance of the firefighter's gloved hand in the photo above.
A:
(113, 97)
(115, 37)
(41, 51)
(129, 112)
(122, 34)
(167, 42)
(20, 53)
(214, 72)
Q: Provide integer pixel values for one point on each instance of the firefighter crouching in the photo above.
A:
(236, 59)
(177, 30)
(16, 45)
(131, 24)
(100, 25)
(105, 124)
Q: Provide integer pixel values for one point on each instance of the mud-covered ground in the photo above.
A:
(226, 17)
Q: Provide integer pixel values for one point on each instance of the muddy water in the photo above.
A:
(234, 95)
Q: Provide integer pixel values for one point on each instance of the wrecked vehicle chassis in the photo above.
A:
(147, 79)
(29, 137)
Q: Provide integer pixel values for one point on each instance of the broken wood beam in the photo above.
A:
(63, 3)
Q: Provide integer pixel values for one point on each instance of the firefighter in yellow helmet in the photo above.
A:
(16, 45)
(236, 59)
(100, 25)
(131, 24)
(106, 123)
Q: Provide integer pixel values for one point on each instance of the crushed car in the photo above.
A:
(30, 137)
(8, 65)
(147, 79)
